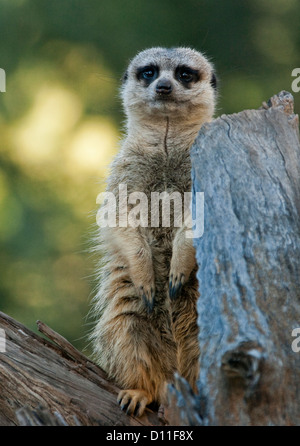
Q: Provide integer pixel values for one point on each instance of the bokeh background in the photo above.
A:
(61, 121)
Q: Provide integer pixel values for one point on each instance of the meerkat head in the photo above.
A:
(177, 82)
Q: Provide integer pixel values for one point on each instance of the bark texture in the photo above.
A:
(248, 166)
(52, 383)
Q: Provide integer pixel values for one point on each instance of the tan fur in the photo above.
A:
(142, 336)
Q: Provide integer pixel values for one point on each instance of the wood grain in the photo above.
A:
(53, 383)
(248, 166)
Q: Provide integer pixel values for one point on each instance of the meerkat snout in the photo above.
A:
(164, 87)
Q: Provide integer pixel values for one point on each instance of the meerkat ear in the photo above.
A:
(213, 81)
(125, 76)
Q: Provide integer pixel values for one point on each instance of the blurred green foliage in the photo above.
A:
(60, 122)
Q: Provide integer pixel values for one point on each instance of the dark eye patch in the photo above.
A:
(186, 75)
(125, 76)
(147, 73)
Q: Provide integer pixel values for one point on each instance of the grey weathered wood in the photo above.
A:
(248, 166)
(42, 383)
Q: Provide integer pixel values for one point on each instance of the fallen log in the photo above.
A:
(49, 382)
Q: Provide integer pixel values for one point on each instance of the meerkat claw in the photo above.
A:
(149, 301)
(136, 410)
(175, 285)
(133, 401)
(148, 298)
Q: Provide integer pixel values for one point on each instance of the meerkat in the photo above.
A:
(145, 304)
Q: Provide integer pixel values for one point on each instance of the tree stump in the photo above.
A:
(248, 166)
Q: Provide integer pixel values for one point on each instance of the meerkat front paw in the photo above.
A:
(142, 276)
(182, 263)
(176, 282)
(147, 293)
(145, 287)
(134, 401)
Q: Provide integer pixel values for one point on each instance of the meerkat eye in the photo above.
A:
(186, 75)
(149, 73)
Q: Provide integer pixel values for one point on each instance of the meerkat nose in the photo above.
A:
(164, 86)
